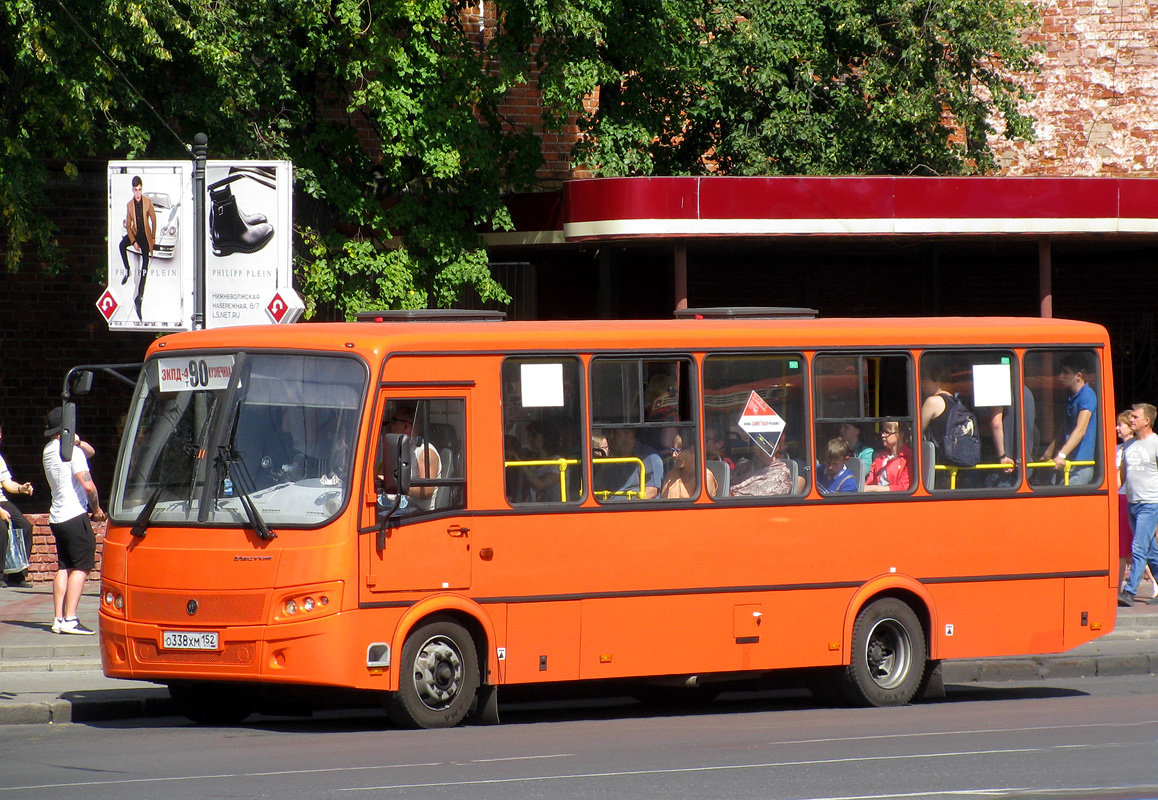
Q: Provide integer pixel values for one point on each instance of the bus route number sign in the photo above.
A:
(201, 373)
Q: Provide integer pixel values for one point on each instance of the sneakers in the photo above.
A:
(1125, 600)
(56, 623)
(71, 625)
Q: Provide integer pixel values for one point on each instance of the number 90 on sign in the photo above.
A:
(184, 374)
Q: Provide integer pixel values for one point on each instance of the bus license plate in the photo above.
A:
(188, 640)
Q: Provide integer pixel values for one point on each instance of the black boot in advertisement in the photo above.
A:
(231, 230)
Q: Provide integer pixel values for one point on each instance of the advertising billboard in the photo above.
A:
(150, 246)
(152, 274)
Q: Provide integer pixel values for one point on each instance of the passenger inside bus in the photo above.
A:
(765, 474)
(545, 444)
(622, 479)
(681, 480)
(851, 433)
(834, 474)
(892, 470)
(425, 462)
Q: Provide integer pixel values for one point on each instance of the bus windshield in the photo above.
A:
(207, 430)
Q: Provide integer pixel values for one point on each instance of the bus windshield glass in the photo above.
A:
(206, 431)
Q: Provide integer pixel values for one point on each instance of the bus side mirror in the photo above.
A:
(82, 383)
(68, 429)
(399, 453)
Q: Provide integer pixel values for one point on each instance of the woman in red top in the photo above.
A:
(892, 471)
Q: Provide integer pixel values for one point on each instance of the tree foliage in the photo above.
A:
(767, 87)
(391, 109)
(388, 109)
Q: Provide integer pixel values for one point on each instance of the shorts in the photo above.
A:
(75, 543)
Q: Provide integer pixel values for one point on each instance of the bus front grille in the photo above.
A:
(208, 608)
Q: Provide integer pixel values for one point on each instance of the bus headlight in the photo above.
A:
(309, 602)
(112, 601)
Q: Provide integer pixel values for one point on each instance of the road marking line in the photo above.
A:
(967, 732)
(685, 770)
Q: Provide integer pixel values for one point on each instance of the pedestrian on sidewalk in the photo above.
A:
(1139, 471)
(1125, 532)
(75, 506)
(10, 514)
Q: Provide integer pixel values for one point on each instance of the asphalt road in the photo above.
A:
(986, 740)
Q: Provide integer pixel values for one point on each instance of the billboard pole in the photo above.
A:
(200, 154)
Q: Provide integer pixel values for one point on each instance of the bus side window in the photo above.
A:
(1067, 391)
(863, 435)
(437, 479)
(644, 409)
(971, 412)
(756, 422)
(543, 430)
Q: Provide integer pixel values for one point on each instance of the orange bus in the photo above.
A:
(434, 508)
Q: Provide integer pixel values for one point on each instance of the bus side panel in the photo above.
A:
(710, 633)
(542, 642)
(1090, 611)
(999, 618)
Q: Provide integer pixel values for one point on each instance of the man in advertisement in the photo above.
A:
(141, 230)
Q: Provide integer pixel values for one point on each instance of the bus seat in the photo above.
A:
(856, 467)
(444, 439)
(928, 462)
(723, 474)
(794, 467)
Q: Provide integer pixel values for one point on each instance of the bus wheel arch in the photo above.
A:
(442, 671)
(888, 651)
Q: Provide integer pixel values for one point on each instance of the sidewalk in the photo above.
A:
(47, 677)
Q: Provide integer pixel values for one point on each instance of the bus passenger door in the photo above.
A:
(426, 547)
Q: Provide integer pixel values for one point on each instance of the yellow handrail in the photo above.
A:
(1009, 467)
(562, 463)
(642, 493)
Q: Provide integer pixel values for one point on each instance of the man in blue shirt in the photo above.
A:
(623, 478)
(1079, 435)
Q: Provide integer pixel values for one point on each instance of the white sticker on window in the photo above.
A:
(542, 385)
(992, 385)
(182, 374)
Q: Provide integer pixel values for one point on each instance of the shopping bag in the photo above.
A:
(16, 558)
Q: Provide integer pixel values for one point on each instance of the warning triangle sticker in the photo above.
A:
(762, 424)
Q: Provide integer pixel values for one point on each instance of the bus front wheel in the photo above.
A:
(439, 677)
(888, 655)
(211, 703)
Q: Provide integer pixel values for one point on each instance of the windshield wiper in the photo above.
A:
(142, 523)
(226, 458)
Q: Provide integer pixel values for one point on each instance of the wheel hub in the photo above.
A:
(438, 673)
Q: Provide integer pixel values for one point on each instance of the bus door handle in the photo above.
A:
(457, 530)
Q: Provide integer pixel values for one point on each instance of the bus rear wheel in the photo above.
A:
(439, 677)
(211, 703)
(888, 655)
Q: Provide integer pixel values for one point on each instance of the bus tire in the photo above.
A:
(888, 660)
(209, 703)
(438, 678)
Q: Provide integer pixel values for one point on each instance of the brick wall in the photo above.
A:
(49, 324)
(42, 559)
(1097, 94)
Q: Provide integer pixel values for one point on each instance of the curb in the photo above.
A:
(106, 705)
(1049, 668)
(113, 704)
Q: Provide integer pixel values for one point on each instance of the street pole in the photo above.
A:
(200, 154)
